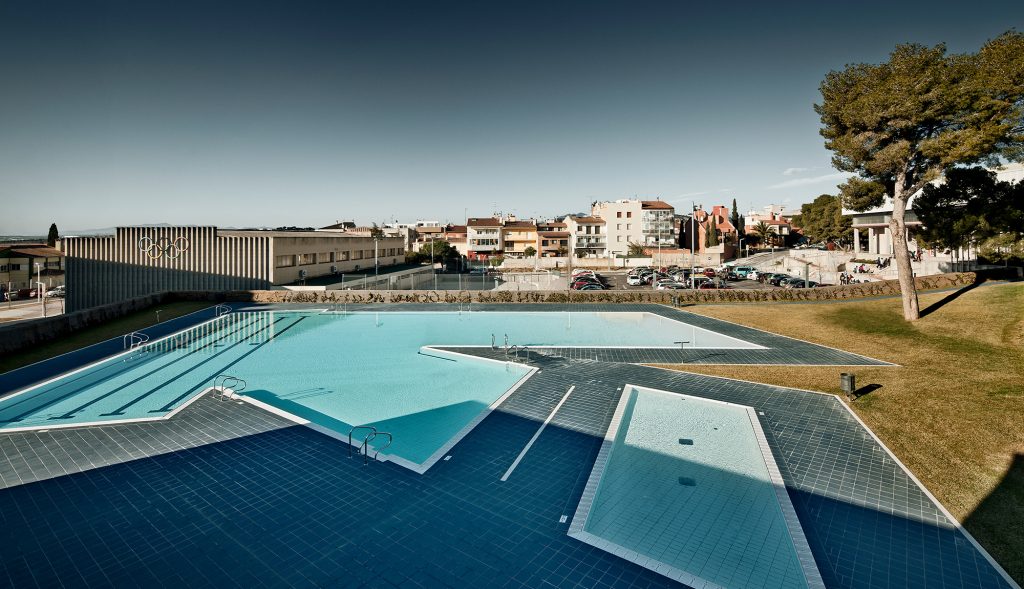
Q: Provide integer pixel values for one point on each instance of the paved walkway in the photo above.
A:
(226, 495)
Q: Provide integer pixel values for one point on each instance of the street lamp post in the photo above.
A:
(39, 288)
(693, 246)
(432, 270)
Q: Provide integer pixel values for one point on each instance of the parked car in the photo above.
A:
(671, 286)
(57, 291)
(710, 272)
(743, 271)
(753, 274)
(634, 280)
(11, 296)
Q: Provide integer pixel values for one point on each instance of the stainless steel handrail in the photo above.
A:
(373, 431)
(366, 447)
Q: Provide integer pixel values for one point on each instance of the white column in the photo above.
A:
(856, 241)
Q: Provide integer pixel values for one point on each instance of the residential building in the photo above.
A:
(552, 239)
(646, 222)
(22, 264)
(517, 235)
(772, 215)
(456, 235)
(138, 261)
(483, 236)
(587, 236)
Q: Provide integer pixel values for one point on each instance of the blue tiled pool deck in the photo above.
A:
(225, 494)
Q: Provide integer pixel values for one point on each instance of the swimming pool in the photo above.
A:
(338, 370)
(687, 487)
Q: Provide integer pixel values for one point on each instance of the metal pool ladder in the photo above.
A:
(134, 341)
(228, 382)
(221, 309)
(364, 447)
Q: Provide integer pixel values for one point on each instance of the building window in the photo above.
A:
(325, 257)
(629, 214)
(343, 256)
(618, 214)
(284, 261)
(629, 226)
(307, 259)
(368, 254)
(4, 268)
(357, 255)
(618, 238)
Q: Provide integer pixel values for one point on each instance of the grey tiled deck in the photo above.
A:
(226, 495)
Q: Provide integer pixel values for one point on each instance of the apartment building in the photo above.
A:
(21, 265)
(138, 261)
(483, 237)
(517, 236)
(588, 236)
(647, 222)
(772, 215)
(552, 239)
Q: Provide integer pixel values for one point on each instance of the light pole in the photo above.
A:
(376, 264)
(39, 288)
(693, 247)
(433, 272)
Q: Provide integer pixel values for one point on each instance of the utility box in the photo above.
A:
(848, 382)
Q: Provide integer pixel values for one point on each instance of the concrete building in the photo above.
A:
(138, 261)
(647, 222)
(871, 232)
(18, 266)
(483, 236)
(588, 236)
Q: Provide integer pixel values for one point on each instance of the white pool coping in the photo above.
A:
(442, 451)
(576, 529)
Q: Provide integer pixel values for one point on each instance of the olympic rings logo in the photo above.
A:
(163, 247)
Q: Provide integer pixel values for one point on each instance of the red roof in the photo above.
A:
(483, 222)
(554, 233)
(655, 204)
(520, 224)
(590, 220)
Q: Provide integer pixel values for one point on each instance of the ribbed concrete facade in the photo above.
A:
(137, 261)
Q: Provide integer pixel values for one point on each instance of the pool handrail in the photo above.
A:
(363, 445)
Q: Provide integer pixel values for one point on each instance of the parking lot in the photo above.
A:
(617, 281)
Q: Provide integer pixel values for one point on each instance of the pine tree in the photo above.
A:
(53, 236)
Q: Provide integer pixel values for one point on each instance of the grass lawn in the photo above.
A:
(953, 411)
(105, 331)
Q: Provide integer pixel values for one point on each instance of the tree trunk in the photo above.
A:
(904, 271)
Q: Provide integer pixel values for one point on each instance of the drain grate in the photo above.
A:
(686, 441)
(687, 482)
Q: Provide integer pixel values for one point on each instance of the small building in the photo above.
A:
(139, 261)
(23, 264)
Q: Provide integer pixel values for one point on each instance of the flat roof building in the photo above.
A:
(139, 261)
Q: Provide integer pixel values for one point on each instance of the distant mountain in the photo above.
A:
(109, 230)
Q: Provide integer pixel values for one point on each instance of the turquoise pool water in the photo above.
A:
(685, 484)
(337, 370)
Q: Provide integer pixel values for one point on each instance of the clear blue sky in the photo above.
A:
(302, 113)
